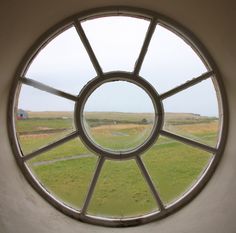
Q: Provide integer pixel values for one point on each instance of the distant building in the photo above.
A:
(22, 114)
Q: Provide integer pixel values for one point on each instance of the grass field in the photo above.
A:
(121, 190)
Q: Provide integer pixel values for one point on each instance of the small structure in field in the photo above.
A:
(144, 121)
(22, 114)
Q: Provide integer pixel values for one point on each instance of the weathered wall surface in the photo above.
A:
(22, 210)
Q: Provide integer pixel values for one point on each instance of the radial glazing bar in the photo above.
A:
(93, 184)
(88, 47)
(50, 146)
(186, 85)
(47, 88)
(150, 183)
(144, 48)
(188, 141)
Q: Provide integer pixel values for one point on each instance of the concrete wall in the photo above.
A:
(22, 210)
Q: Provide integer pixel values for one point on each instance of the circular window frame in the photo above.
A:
(112, 77)
(154, 18)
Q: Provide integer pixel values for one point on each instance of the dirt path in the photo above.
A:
(83, 156)
(46, 162)
(61, 159)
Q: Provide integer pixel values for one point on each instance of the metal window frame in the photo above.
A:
(154, 18)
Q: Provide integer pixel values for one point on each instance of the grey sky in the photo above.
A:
(110, 98)
(116, 41)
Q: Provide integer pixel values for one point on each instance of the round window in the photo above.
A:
(118, 117)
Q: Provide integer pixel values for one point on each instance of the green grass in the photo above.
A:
(67, 180)
(33, 142)
(204, 132)
(119, 116)
(72, 148)
(119, 138)
(40, 124)
(174, 166)
(121, 189)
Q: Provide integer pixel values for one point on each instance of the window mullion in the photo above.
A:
(51, 146)
(150, 183)
(88, 47)
(51, 90)
(186, 85)
(144, 48)
(93, 184)
(188, 141)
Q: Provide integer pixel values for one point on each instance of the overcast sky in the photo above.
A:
(116, 41)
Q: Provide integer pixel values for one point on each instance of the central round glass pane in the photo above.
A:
(119, 116)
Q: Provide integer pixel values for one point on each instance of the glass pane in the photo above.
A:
(119, 116)
(174, 167)
(170, 61)
(193, 113)
(65, 172)
(116, 40)
(121, 192)
(42, 118)
(63, 64)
